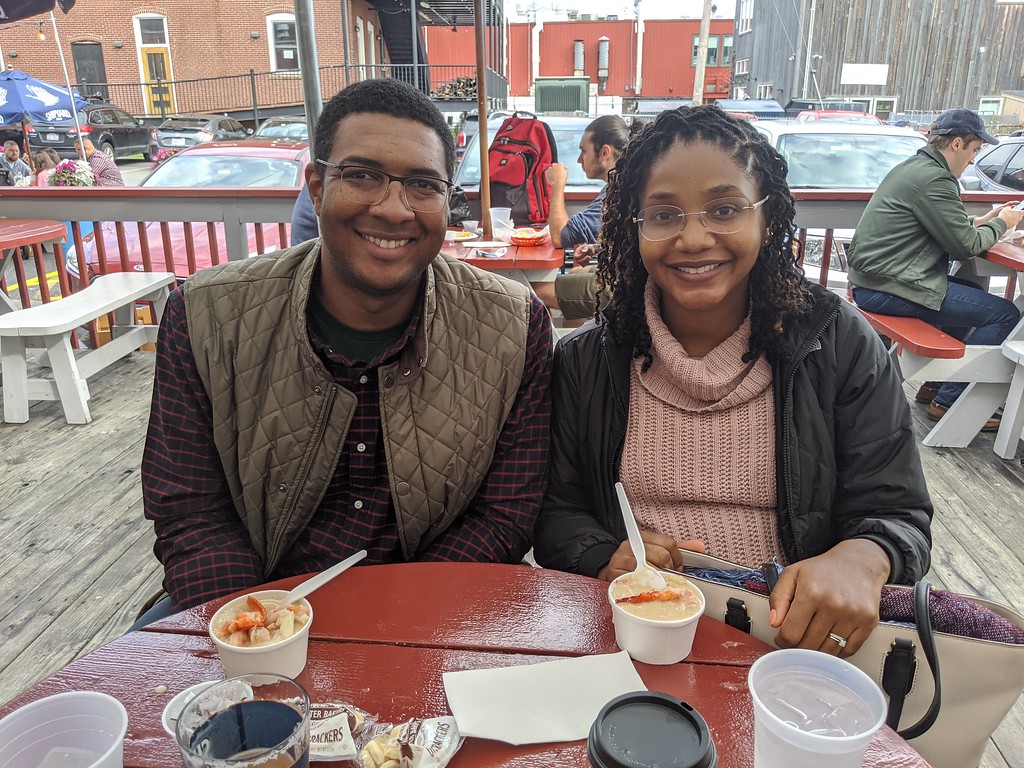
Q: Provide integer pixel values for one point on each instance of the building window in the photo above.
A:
(152, 30)
(990, 106)
(284, 49)
(745, 16)
(727, 51)
(712, 50)
(371, 38)
(766, 90)
(742, 66)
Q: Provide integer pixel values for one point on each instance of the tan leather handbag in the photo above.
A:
(950, 704)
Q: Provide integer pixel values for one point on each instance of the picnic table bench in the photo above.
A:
(922, 352)
(49, 326)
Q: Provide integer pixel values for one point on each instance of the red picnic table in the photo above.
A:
(527, 264)
(382, 636)
(16, 233)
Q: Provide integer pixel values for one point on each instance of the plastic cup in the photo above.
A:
(470, 225)
(812, 710)
(655, 641)
(247, 721)
(286, 657)
(79, 729)
(501, 216)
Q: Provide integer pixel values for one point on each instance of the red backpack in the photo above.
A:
(522, 150)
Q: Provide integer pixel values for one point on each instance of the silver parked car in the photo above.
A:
(997, 168)
(189, 130)
(826, 154)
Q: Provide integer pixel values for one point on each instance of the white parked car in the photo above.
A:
(832, 154)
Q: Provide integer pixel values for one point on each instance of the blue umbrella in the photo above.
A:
(23, 97)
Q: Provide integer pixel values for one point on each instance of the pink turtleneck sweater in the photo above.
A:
(699, 455)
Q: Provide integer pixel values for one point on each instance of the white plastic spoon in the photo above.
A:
(311, 585)
(643, 571)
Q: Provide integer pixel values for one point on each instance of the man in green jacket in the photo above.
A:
(911, 229)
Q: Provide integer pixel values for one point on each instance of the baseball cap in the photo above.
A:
(961, 122)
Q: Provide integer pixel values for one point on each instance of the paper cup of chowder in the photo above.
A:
(256, 634)
(655, 626)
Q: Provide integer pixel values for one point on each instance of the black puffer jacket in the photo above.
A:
(847, 464)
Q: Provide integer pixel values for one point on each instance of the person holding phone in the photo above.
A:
(912, 228)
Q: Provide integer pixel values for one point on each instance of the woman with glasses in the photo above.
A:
(747, 412)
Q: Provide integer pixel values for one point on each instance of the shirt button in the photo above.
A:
(358, 505)
(361, 447)
(403, 488)
(389, 381)
(363, 379)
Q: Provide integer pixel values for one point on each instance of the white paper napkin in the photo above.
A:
(539, 703)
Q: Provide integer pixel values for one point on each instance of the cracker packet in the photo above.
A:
(334, 729)
(428, 743)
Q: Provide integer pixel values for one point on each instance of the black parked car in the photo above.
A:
(111, 129)
(189, 130)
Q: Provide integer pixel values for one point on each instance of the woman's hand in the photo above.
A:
(662, 552)
(835, 593)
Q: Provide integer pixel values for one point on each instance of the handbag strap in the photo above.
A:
(922, 591)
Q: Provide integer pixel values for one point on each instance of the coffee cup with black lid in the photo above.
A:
(645, 729)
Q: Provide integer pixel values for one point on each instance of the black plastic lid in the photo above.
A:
(650, 730)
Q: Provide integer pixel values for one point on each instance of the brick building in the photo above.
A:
(156, 57)
(625, 60)
(129, 42)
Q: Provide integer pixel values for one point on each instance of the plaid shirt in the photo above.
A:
(205, 548)
(106, 170)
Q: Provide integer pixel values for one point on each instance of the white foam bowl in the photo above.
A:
(652, 641)
(286, 657)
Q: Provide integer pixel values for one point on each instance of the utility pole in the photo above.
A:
(308, 65)
(702, 54)
(807, 54)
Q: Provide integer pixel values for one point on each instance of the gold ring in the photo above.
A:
(838, 638)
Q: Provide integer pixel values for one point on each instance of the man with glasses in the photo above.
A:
(912, 228)
(356, 391)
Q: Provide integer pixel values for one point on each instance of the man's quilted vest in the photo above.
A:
(280, 420)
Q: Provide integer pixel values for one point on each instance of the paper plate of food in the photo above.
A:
(465, 237)
(528, 237)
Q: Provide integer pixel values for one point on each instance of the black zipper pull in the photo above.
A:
(771, 575)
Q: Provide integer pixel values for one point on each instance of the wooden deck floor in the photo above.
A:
(76, 558)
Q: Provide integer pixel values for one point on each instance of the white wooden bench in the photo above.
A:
(48, 327)
(924, 353)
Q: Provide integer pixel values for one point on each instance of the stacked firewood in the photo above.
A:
(459, 88)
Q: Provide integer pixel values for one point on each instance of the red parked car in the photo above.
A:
(247, 163)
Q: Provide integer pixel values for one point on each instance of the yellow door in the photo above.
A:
(156, 67)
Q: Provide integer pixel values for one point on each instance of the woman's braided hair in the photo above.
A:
(777, 290)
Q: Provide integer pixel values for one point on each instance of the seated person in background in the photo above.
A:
(12, 167)
(106, 170)
(912, 227)
(746, 411)
(573, 294)
(355, 391)
(304, 223)
(43, 165)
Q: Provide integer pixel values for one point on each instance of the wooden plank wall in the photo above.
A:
(76, 558)
(933, 48)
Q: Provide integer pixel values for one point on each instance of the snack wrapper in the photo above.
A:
(428, 743)
(334, 729)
